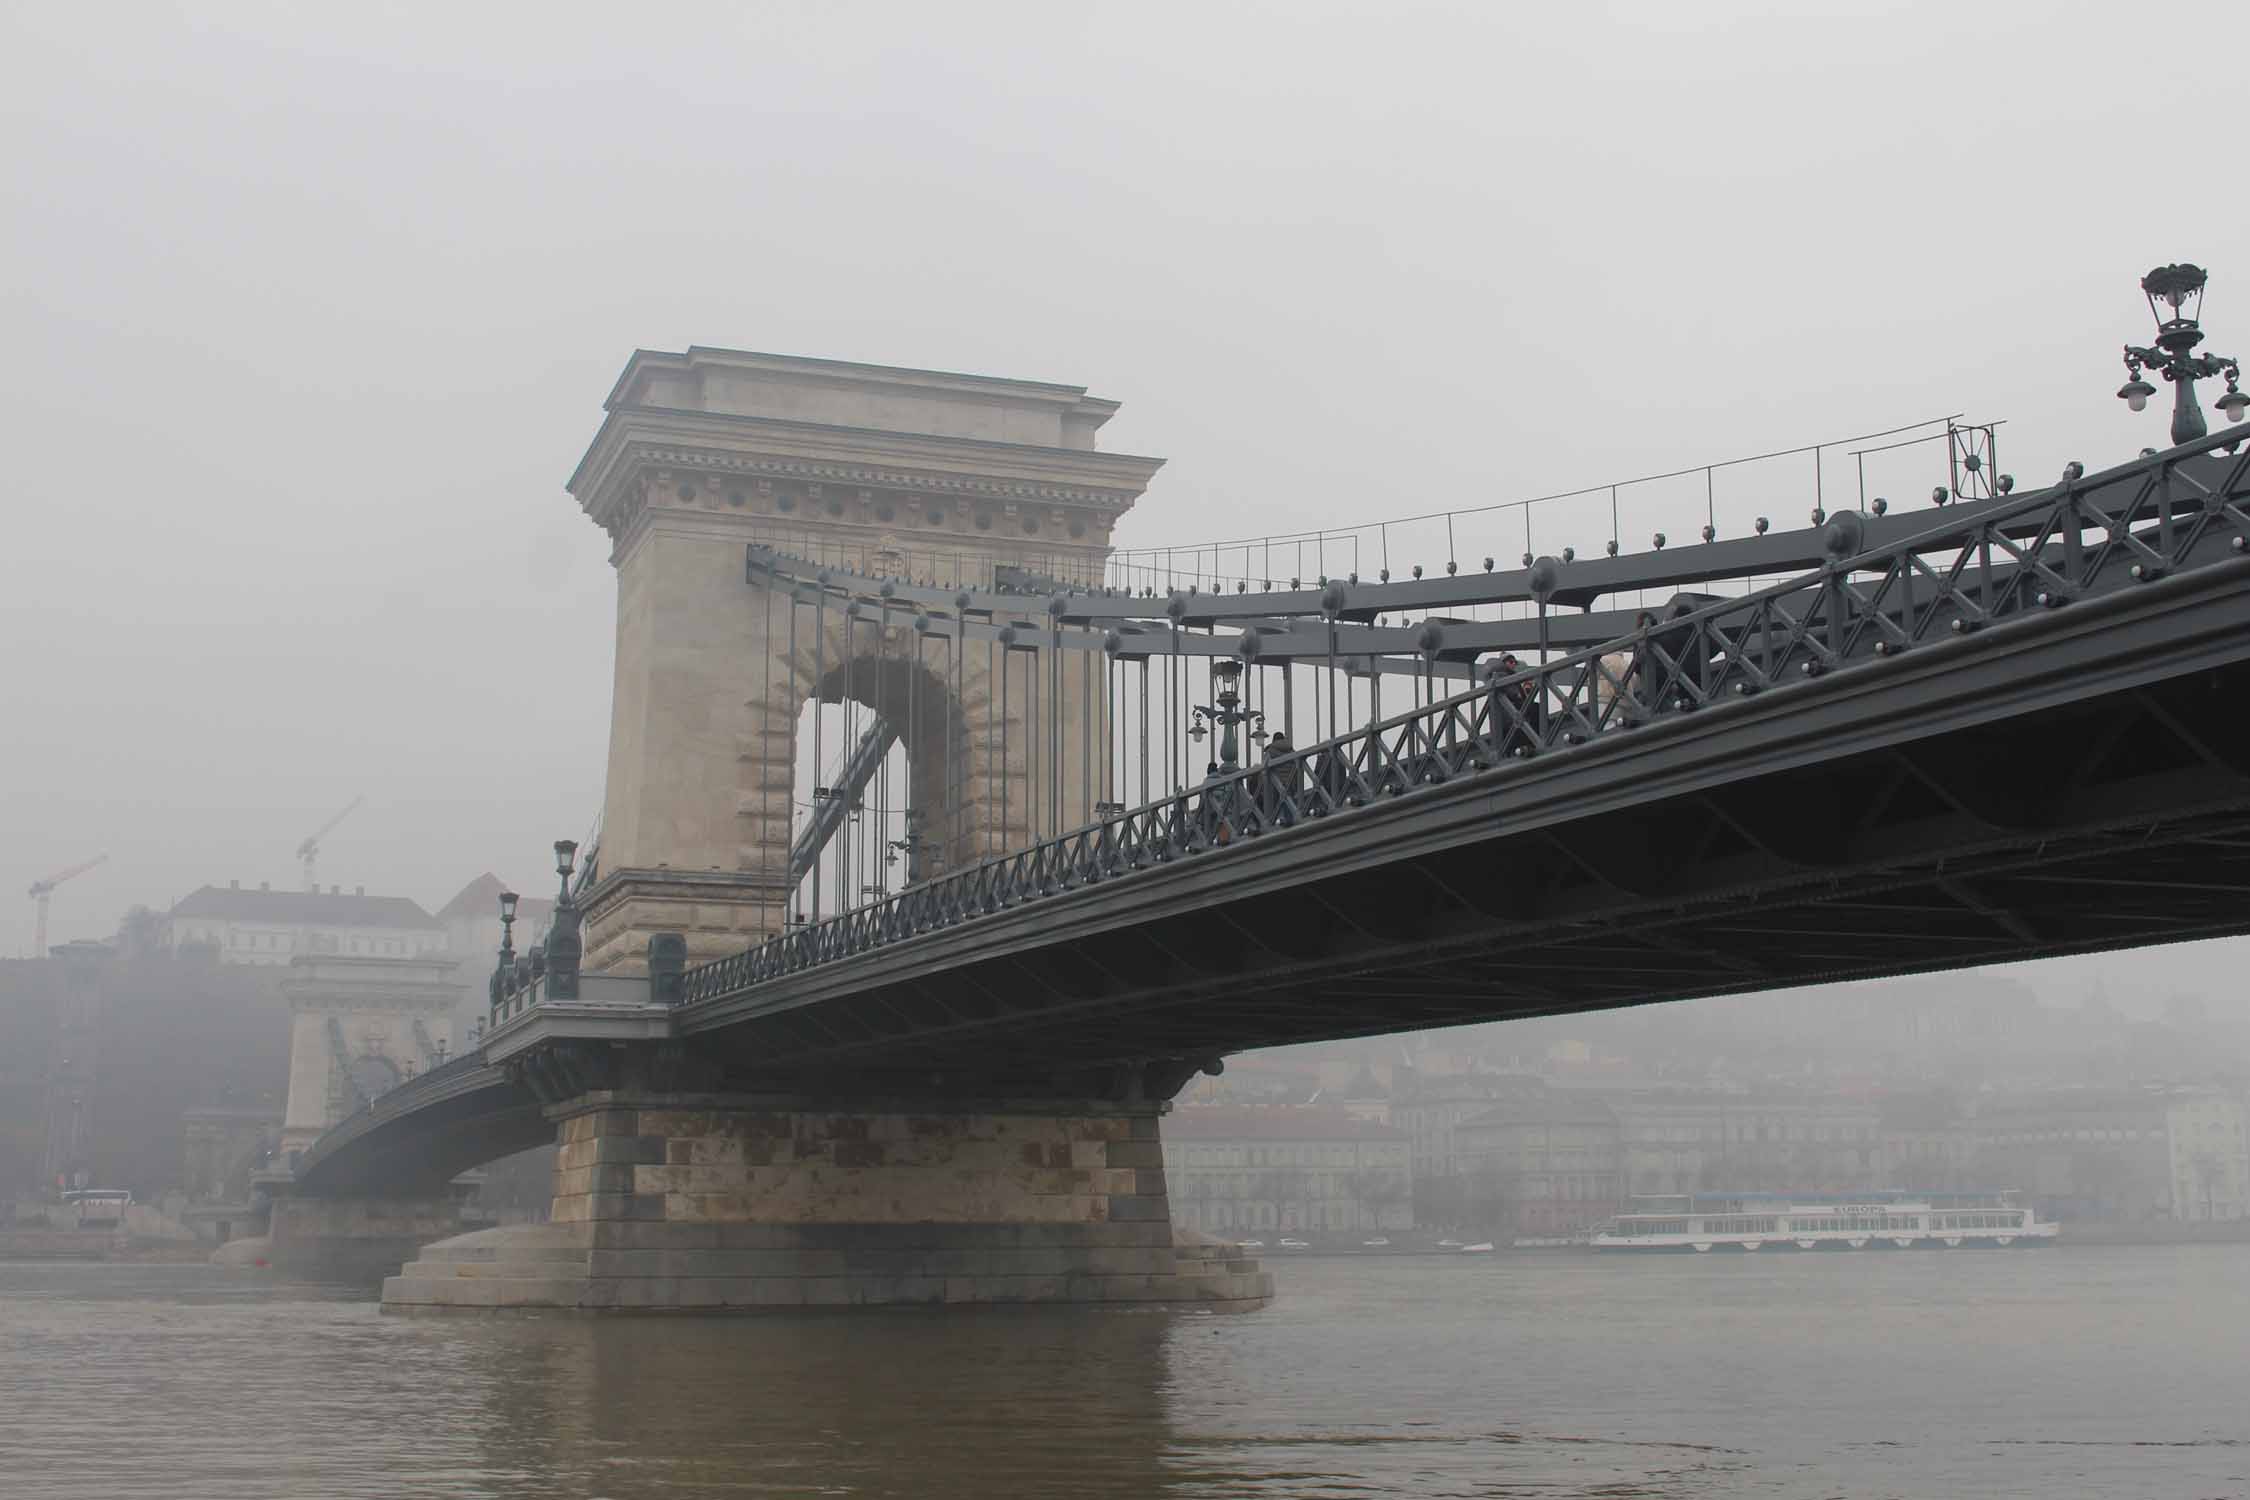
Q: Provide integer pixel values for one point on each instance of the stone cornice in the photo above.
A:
(634, 439)
(999, 390)
(678, 885)
(736, 529)
(552, 1021)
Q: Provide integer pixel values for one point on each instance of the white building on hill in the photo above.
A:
(266, 926)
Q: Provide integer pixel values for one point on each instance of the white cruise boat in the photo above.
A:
(1702, 1222)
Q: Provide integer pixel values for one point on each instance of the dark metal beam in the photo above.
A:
(835, 803)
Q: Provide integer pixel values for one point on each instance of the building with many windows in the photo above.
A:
(1533, 1158)
(1702, 1140)
(1430, 1109)
(266, 926)
(2125, 1155)
(1233, 1169)
(1550, 1164)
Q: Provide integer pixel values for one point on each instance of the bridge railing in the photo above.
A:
(2127, 527)
(1725, 493)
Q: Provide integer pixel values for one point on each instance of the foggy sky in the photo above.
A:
(310, 311)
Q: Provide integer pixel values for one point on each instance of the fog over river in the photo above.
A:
(2078, 1371)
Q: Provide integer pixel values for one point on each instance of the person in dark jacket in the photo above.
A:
(1685, 648)
(1525, 698)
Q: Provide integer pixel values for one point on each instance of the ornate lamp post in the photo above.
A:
(1227, 714)
(564, 945)
(2175, 299)
(918, 847)
(507, 956)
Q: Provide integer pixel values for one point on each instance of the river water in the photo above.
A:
(2076, 1371)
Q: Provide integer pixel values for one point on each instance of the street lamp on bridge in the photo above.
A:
(2175, 299)
(507, 957)
(1227, 714)
(564, 947)
(920, 849)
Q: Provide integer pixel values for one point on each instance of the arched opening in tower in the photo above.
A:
(880, 790)
(856, 833)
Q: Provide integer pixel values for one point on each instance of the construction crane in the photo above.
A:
(42, 889)
(309, 850)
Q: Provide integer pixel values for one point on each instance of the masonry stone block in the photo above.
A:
(549, 1291)
(626, 1234)
(900, 1261)
(613, 1150)
(604, 1205)
(1034, 1262)
(920, 1288)
(778, 1291)
(606, 1122)
(755, 1236)
(1127, 1261)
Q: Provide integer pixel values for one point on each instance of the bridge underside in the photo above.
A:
(2082, 785)
(468, 1114)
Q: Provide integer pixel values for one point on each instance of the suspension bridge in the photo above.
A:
(1145, 822)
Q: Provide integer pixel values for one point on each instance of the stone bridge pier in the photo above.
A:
(351, 1239)
(673, 1193)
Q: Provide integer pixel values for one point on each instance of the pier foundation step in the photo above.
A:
(750, 1267)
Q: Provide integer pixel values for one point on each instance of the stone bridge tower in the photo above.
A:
(916, 474)
(359, 1027)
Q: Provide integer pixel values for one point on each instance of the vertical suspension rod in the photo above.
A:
(820, 672)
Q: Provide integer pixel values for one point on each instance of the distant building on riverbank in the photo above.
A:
(1543, 1165)
(2123, 1155)
(1235, 1168)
